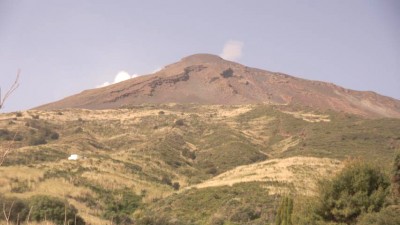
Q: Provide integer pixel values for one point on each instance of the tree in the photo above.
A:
(359, 188)
(13, 87)
(4, 151)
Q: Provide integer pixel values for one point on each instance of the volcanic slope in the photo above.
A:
(151, 151)
(210, 80)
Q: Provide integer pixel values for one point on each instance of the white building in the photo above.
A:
(73, 157)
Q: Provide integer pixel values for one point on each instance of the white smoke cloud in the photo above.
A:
(156, 70)
(121, 76)
(103, 85)
(232, 50)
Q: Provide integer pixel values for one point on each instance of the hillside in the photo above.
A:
(210, 80)
(174, 158)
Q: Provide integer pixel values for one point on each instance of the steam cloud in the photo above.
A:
(121, 76)
(232, 50)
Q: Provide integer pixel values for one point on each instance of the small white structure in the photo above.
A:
(73, 157)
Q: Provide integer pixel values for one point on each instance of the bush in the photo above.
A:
(387, 216)
(166, 180)
(19, 209)
(53, 209)
(120, 209)
(5, 134)
(396, 177)
(38, 141)
(189, 154)
(227, 73)
(54, 135)
(179, 122)
(359, 188)
(245, 214)
(157, 220)
(213, 170)
(78, 130)
(176, 186)
(18, 137)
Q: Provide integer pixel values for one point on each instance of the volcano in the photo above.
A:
(210, 80)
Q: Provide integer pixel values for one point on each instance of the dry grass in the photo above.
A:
(30, 223)
(285, 144)
(135, 148)
(299, 172)
(310, 117)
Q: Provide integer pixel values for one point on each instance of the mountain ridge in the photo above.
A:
(209, 79)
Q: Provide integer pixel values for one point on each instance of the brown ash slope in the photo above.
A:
(210, 80)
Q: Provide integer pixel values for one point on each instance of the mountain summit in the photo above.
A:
(209, 79)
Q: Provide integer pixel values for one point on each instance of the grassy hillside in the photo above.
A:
(154, 154)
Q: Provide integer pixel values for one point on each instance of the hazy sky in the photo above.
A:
(66, 46)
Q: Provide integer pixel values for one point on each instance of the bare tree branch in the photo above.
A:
(7, 149)
(13, 87)
(4, 152)
(29, 215)
(7, 217)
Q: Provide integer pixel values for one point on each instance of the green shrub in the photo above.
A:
(213, 170)
(37, 140)
(166, 180)
(387, 216)
(54, 135)
(53, 209)
(18, 209)
(5, 134)
(119, 210)
(179, 122)
(176, 186)
(18, 137)
(227, 73)
(359, 188)
(157, 220)
(396, 177)
(244, 214)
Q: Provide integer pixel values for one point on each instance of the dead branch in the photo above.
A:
(7, 216)
(13, 87)
(29, 215)
(4, 152)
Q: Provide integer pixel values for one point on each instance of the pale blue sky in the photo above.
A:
(66, 46)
